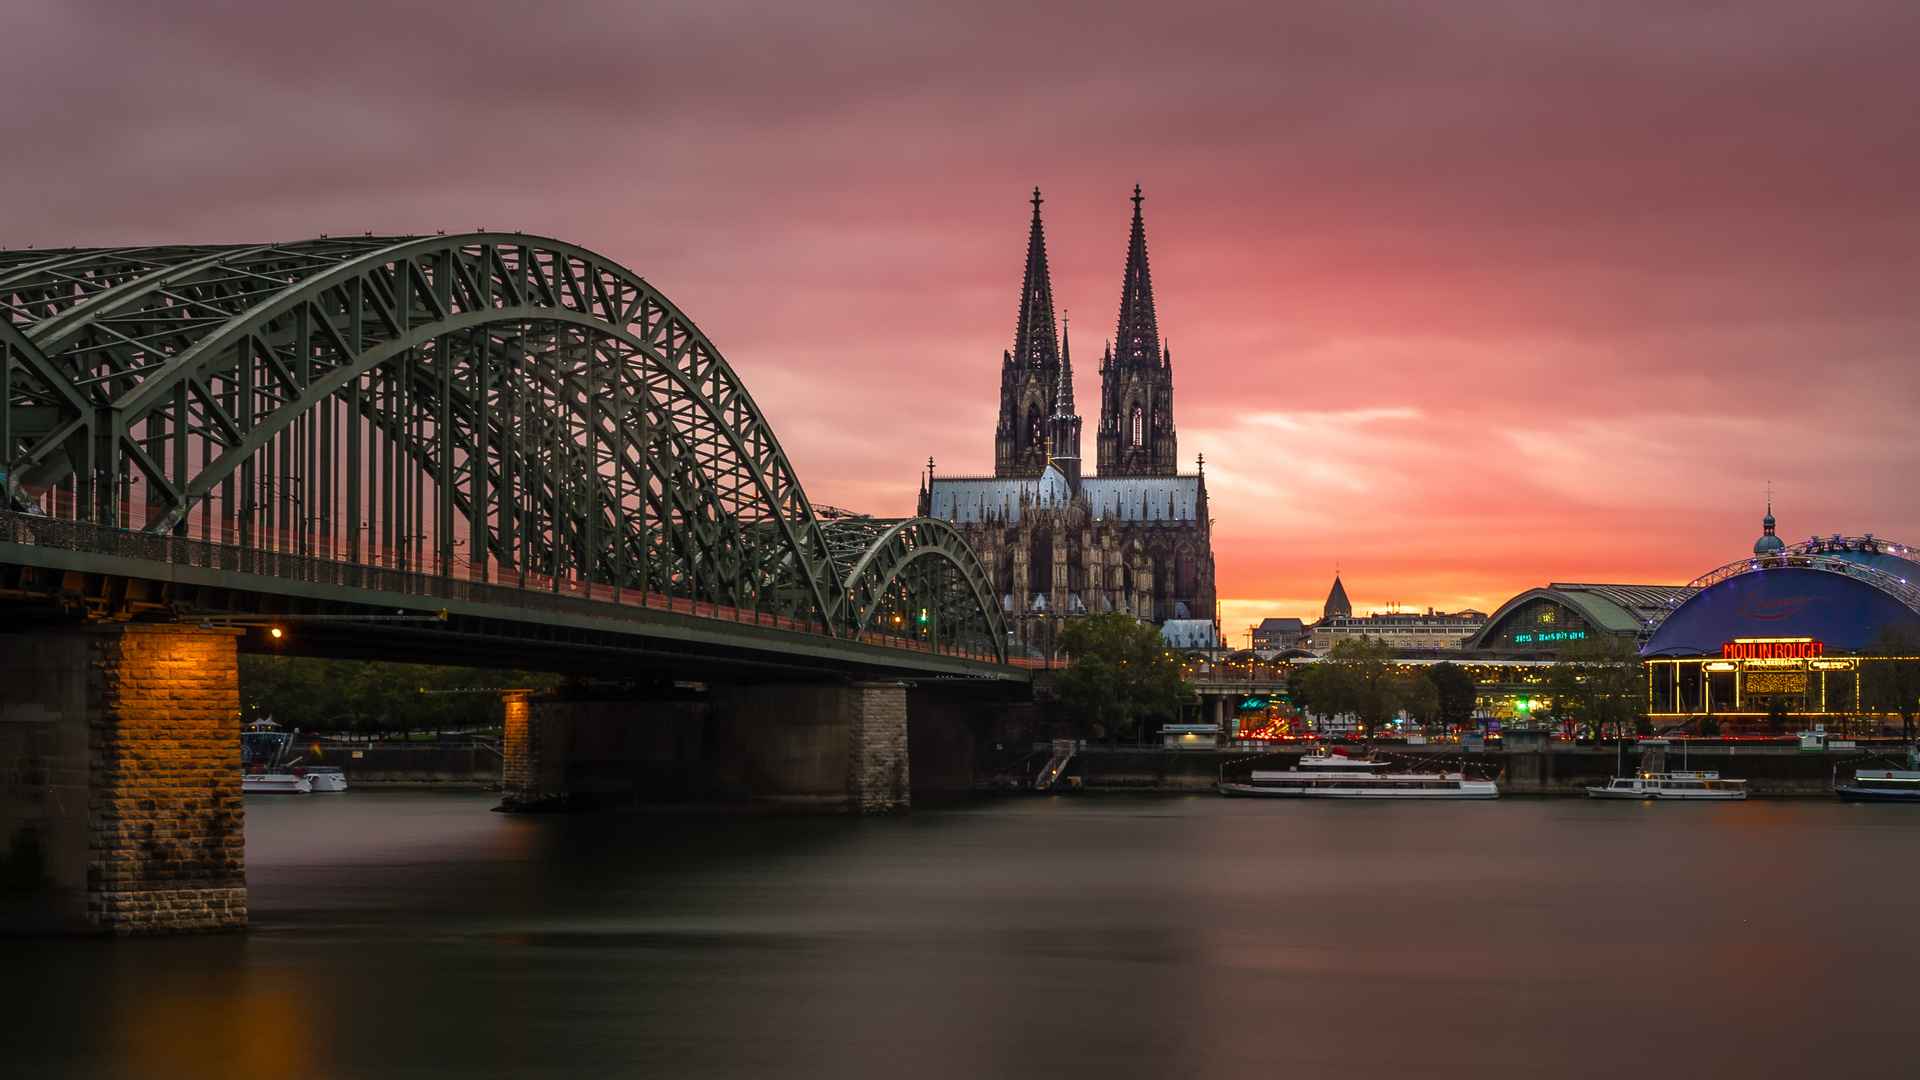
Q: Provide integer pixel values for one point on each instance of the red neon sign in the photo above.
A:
(1771, 650)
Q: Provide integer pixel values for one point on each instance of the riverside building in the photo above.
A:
(1431, 630)
(1403, 630)
(1275, 633)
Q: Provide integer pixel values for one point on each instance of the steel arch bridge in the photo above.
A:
(486, 407)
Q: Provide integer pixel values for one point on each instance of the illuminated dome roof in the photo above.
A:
(1768, 543)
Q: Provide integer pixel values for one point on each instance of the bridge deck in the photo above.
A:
(60, 568)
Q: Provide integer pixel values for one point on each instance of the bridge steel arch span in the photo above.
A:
(915, 578)
(498, 407)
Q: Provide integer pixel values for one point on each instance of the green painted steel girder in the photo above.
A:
(491, 407)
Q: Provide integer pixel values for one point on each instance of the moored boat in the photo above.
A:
(1881, 785)
(264, 769)
(325, 778)
(1697, 786)
(1333, 776)
(274, 783)
(1625, 787)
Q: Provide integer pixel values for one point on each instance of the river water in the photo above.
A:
(415, 934)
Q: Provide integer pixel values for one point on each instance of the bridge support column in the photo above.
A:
(877, 778)
(799, 747)
(876, 748)
(523, 787)
(841, 747)
(120, 805)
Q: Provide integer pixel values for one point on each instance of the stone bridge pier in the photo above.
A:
(120, 804)
(839, 747)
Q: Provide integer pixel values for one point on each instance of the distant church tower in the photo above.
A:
(1030, 374)
(1136, 377)
(1337, 601)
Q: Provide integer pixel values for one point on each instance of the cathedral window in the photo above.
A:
(1139, 427)
(1040, 565)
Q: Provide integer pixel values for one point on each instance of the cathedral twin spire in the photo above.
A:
(1034, 346)
(1030, 373)
(1136, 397)
(1136, 434)
(1137, 338)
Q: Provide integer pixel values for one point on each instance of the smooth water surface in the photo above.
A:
(415, 934)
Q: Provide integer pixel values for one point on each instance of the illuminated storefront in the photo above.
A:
(1754, 678)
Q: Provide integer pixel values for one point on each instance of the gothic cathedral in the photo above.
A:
(1133, 538)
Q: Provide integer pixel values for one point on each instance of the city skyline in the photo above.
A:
(1463, 301)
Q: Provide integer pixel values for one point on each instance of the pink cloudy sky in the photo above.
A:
(1464, 297)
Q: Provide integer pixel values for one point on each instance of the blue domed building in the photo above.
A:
(1836, 590)
(1780, 631)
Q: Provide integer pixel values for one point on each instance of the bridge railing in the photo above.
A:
(539, 592)
(1234, 672)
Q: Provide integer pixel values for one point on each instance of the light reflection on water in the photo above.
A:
(415, 934)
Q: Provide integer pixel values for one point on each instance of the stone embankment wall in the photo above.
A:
(1768, 770)
(1101, 768)
(422, 765)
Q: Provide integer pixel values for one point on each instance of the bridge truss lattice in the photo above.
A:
(495, 407)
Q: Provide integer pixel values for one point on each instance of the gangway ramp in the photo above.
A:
(1056, 767)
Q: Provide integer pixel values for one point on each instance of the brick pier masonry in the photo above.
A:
(120, 804)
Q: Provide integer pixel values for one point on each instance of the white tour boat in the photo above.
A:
(264, 769)
(1335, 776)
(1694, 786)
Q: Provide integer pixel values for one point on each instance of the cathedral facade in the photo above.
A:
(1135, 536)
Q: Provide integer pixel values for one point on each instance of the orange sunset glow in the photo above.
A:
(1462, 298)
